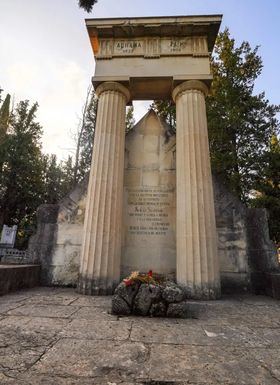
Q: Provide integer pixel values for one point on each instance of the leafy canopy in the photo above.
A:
(87, 5)
(242, 128)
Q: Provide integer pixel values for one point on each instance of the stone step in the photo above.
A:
(15, 277)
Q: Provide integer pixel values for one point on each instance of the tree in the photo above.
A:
(4, 117)
(21, 183)
(85, 138)
(87, 5)
(267, 187)
(242, 127)
(55, 179)
(129, 120)
(4, 124)
(240, 123)
(167, 110)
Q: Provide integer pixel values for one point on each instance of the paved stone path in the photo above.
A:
(57, 337)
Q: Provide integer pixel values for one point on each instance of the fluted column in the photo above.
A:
(101, 248)
(197, 257)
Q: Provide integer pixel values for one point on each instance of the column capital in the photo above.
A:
(189, 85)
(113, 86)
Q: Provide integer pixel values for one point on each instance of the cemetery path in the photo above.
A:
(54, 336)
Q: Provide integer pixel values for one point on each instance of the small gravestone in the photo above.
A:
(8, 236)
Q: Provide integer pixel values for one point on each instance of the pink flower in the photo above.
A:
(128, 282)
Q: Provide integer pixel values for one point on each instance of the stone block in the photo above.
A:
(47, 213)
(172, 293)
(120, 306)
(275, 285)
(186, 310)
(158, 309)
(127, 293)
(14, 277)
(146, 295)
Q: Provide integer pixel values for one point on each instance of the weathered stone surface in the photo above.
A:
(178, 310)
(149, 177)
(234, 342)
(127, 293)
(150, 173)
(44, 311)
(57, 242)
(186, 310)
(158, 309)
(94, 314)
(172, 293)
(101, 254)
(275, 285)
(91, 358)
(95, 301)
(144, 298)
(207, 365)
(15, 277)
(120, 306)
(105, 330)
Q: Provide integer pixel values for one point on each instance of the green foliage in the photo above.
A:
(85, 140)
(21, 184)
(129, 120)
(57, 178)
(4, 117)
(87, 137)
(87, 5)
(167, 110)
(267, 187)
(240, 124)
(28, 178)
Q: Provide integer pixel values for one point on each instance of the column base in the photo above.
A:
(202, 292)
(95, 287)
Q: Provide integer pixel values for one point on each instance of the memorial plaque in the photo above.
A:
(149, 198)
(152, 47)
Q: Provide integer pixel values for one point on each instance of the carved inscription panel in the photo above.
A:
(152, 47)
(149, 212)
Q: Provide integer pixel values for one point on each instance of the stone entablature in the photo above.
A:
(154, 47)
(152, 55)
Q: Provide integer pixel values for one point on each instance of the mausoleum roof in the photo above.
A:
(163, 26)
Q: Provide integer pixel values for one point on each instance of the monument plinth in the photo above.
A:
(151, 58)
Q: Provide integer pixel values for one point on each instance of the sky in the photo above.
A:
(45, 54)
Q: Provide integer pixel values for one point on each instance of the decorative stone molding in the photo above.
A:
(101, 248)
(197, 255)
(152, 47)
(190, 85)
(113, 86)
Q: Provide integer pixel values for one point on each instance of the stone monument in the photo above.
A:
(149, 203)
(152, 58)
(247, 257)
(8, 236)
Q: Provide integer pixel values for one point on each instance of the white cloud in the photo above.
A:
(60, 89)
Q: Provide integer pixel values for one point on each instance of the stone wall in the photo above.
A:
(232, 238)
(57, 242)
(245, 251)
